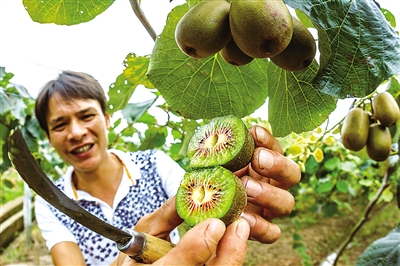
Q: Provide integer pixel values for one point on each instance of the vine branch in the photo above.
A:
(364, 218)
(140, 15)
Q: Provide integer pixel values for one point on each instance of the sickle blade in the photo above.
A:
(37, 180)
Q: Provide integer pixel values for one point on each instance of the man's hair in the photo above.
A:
(70, 85)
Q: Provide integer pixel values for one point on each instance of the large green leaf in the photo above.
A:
(384, 251)
(208, 87)
(294, 104)
(133, 75)
(359, 49)
(65, 12)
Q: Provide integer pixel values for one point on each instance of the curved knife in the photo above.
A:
(139, 246)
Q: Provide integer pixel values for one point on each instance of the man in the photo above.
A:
(121, 187)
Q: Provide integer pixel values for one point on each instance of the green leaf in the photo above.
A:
(133, 75)
(389, 17)
(332, 163)
(5, 104)
(65, 12)
(366, 182)
(147, 119)
(207, 87)
(347, 166)
(325, 187)
(359, 48)
(154, 137)
(330, 209)
(133, 111)
(296, 107)
(342, 186)
(384, 251)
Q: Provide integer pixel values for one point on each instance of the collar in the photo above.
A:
(130, 175)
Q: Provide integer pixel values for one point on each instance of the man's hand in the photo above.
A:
(266, 180)
(209, 242)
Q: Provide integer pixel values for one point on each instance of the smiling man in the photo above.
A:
(122, 187)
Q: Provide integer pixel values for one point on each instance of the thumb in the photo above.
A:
(197, 246)
(160, 222)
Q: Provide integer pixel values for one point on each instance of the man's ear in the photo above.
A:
(108, 121)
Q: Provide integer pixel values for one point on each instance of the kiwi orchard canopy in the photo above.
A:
(358, 49)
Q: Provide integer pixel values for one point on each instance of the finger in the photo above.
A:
(160, 222)
(273, 165)
(197, 246)
(275, 201)
(263, 138)
(262, 230)
(233, 246)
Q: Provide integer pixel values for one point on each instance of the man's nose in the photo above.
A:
(76, 130)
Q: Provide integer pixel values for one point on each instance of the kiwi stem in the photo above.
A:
(140, 15)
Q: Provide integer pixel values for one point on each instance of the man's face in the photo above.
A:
(78, 131)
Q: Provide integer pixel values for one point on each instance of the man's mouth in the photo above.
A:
(82, 149)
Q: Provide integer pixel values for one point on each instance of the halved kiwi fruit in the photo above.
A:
(222, 141)
(210, 192)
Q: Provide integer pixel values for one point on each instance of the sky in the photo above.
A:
(35, 53)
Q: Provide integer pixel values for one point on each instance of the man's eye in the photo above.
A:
(59, 126)
(88, 116)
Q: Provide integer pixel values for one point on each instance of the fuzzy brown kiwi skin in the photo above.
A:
(239, 204)
(355, 129)
(385, 108)
(244, 157)
(379, 142)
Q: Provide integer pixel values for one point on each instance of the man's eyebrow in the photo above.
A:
(89, 109)
(56, 120)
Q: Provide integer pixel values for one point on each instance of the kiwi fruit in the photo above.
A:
(204, 30)
(210, 192)
(301, 50)
(355, 129)
(379, 142)
(261, 28)
(232, 54)
(385, 109)
(222, 141)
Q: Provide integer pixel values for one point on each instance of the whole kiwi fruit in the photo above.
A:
(232, 54)
(210, 192)
(355, 129)
(385, 109)
(204, 29)
(379, 142)
(300, 52)
(222, 141)
(260, 28)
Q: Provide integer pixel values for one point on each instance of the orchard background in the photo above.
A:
(358, 55)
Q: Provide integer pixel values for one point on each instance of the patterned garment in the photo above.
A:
(144, 197)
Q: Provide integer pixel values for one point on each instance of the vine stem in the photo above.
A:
(364, 218)
(140, 15)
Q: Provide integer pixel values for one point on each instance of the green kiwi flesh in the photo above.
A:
(222, 141)
(213, 192)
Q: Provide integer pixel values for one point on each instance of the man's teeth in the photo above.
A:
(82, 149)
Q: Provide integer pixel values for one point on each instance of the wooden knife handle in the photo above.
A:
(145, 248)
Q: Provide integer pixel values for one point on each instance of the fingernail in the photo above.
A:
(215, 230)
(253, 188)
(243, 230)
(249, 218)
(261, 135)
(266, 159)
